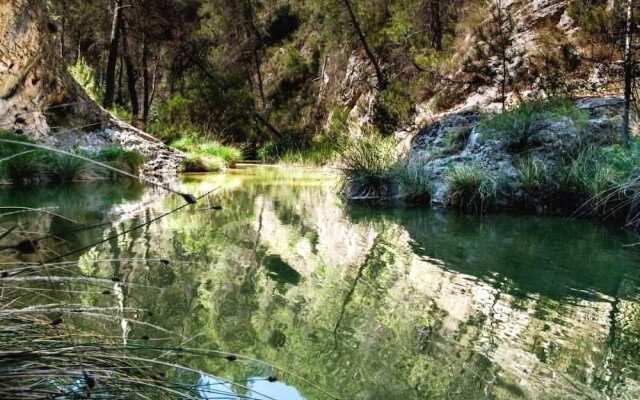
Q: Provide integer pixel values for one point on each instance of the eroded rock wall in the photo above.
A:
(40, 100)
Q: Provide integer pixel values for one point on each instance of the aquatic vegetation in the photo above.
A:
(320, 151)
(203, 163)
(413, 180)
(62, 350)
(368, 165)
(588, 174)
(18, 164)
(50, 358)
(621, 195)
(206, 156)
(472, 189)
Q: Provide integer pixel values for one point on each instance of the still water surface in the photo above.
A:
(352, 302)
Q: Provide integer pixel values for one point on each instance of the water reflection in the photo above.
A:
(258, 388)
(326, 301)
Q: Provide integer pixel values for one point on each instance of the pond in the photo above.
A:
(319, 300)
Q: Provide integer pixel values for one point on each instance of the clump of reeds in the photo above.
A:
(472, 189)
(369, 164)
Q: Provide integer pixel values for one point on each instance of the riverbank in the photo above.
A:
(552, 156)
(23, 164)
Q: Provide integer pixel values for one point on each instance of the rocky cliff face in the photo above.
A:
(40, 100)
(550, 139)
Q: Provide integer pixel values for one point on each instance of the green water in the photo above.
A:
(353, 302)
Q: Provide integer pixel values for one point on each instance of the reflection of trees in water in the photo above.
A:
(391, 340)
(423, 305)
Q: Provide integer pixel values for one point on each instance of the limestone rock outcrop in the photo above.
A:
(39, 98)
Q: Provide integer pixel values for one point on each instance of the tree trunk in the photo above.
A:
(258, 62)
(63, 28)
(146, 84)
(119, 96)
(154, 78)
(436, 24)
(628, 72)
(372, 58)
(249, 16)
(110, 82)
(132, 75)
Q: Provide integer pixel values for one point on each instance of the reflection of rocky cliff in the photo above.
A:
(554, 337)
(407, 305)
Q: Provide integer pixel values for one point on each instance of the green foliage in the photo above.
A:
(210, 153)
(121, 113)
(472, 189)
(282, 26)
(369, 163)
(319, 150)
(516, 125)
(202, 163)
(85, 75)
(22, 165)
(534, 175)
(596, 170)
(131, 160)
(393, 108)
(16, 168)
(63, 168)
(317, 155)
(413, 180)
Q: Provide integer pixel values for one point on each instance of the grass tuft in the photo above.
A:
(22, 164)
(131, 160)
(206, 156)
(534, 175)
(516, 125)
(472, 189)
(369, 165)
(203, 163)
(61, 168)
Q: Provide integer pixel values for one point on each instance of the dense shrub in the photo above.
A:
(282, 26)
(318, 154)
(599, 179)
(63, 168)
(18, 164)
(394, 108)
(412, 180)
